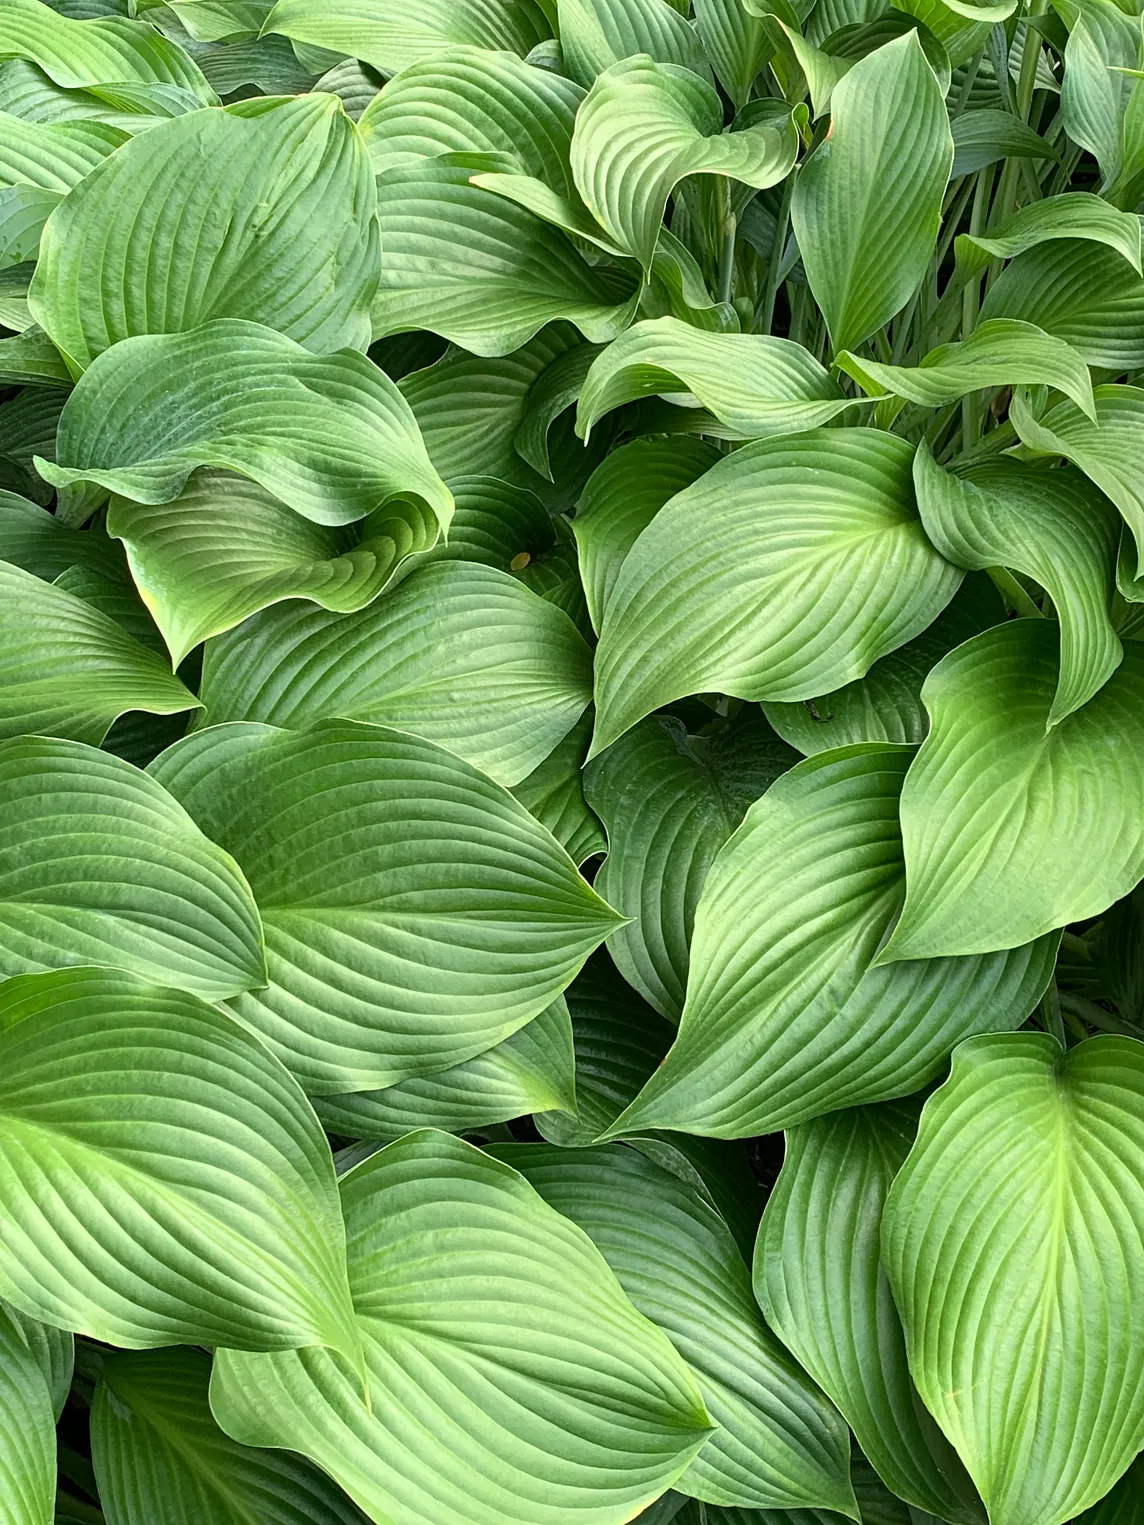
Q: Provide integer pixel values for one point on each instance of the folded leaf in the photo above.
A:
(475, 1302)
(460, 654)
(1096, 90)
(31, 358)
(785, 571)
(985, 136)
(779, 1444)
(392, 34)
(53, 156)
(754, 384)
(27, 1430)
(66, 669)
(1045, 827)
(643, 127)
(788, 1015)
(594, 34)
(819, 1280)
(1074, 216)
(165, 1181)
(99, 865)
(329, 435)
(1018, 1199)
(282, 202)
(452, 920)
(736, 43)
(867, 204)
(1090, 297)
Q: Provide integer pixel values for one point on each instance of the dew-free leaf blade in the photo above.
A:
(1090, 297)
(594, 34)
(27, 1430)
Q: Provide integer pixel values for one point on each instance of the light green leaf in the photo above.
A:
(1001, 352)
(984, 136)
(622, 497)
(476, 1301)
(481, 270)
(80, 54)
(643, 127)
(461, 654)
(66, 669)
(1018, 1199)
(454, 920)
(788, 1015)
(754, 384)
(736, 42)
(785, 571)
(99, 865)
(886, 705)
(1075, 216)
(1052, 526)
(1095, 93)
(779, 1444)
(53, 157)
(221, 20)
(554, 794)
(1090, 297)
(27, 1431)
(533, 1071)
(594, 34)
(158, 1454)
(961, 28)
(164, 1180)
(283, 200)
(330, 435)
(820, 1283)
(31, 357)
(392, 34)
(24, 209)
(54, 1352)
(867, 203)
(669, 801)
(1045, 827)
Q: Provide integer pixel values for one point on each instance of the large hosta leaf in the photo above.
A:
(281, 201)
(1053, 526)
(27, 1430)
(392, 34)
(778, 1444)
(461, 654)
(162, 1178)
(819, 1279)
(1043, 827)
(867, 204)
(554, 794)
(643, 127)
(594, 34)
(669, 801)
(785, 571)
(736, 42)
(158, 1454)
(1119, 1505)
(66, 669)
(1076, 215)
(330, 435)
(512, 1382)
(415, 914)
(754, 384)
(787, 1016)
(1090, 297)
(54, 156)
(1019, 1199)
(99, 865)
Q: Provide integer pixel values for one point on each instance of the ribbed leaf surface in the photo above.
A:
(1090, 297)
(594, 34)
(27, 1431)
(53, 156)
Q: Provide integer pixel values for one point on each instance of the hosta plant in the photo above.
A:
(571, 762)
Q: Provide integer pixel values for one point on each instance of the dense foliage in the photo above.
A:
(571, 762)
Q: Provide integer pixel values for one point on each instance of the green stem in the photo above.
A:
(1050, 1013)
(970, 297)
(1006, 199)
(765, 316)
(727, 250)
(1013, 593)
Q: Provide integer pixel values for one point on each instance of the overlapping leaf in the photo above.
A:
(27, 1431)
(594, 34)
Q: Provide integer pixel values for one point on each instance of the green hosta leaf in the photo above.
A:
(453, 921)
(785, 571)
(165, 1180)
(282, 196)
(1090, 297)
(1051, 525)
(33, 538)
(643, 127)
(392, 34)
(669, 801)
(886, 705)
(52, 157)
(533, 1071)
(1046, 826)
(960, 29)
(54, 1352)
(778, 1444)
(1096, 94)
(1119, 1506)
(27, 1431)
(461, 654)
(1018, 1199)
(159, 1454)
(66, 669)
(553, 394)
(330, 435)
(820, 1283)
(99, 865)
(594, 34)
(788, 1015)
(554, 794)
(24, 209)
(1076, 216)
(31, 357)
(736, 42)
(1001, 352)
(82, 54)
(476, 1303)
(867, 204)
(622, 497)
(754, 384)
(480, 270)
(985, 136)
